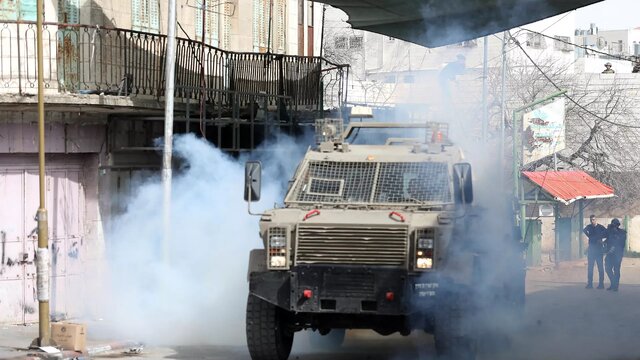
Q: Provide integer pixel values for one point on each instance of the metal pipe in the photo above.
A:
(170, 65)
(42, 254)
(324, 10)
(485, 114)
(202, 80)
(503, 113)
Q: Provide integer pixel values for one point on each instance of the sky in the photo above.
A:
(610, 15)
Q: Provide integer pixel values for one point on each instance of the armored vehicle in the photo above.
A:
(371, 236)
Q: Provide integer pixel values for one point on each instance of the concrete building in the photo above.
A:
(625, 42)
(622, 46)
(104, 106)
(387, 71)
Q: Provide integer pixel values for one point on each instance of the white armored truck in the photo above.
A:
(371, 236)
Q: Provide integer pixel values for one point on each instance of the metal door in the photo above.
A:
(19, 191)
(534, 241)
(67, 46)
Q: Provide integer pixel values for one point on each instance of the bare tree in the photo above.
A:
(602, 127)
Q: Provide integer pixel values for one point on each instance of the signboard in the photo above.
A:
(543, 131)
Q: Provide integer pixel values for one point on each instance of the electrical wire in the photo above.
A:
(568, 96)
(618, 57)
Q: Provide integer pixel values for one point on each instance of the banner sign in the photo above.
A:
(543, 131)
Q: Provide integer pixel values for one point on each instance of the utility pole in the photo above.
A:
(42, 253)
(485, 114)
(168, 129)
(503, 112)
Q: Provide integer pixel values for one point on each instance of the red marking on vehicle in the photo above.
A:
(396, 215)
(307, 294)
(390, 296)
(311, 213)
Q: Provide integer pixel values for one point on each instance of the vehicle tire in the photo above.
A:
(454, 338)
(268, 334)
(332, 341)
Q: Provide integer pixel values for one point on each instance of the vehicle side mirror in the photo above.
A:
(462, 183)
(252, 176)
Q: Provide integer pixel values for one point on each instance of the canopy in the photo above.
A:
(569, 186)
(435, 23)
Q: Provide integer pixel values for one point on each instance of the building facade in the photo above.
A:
(244, 69)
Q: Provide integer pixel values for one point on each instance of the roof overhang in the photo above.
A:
(568, 186)
(435, 23)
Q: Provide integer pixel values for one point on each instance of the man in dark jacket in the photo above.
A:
(596, 233)
(616, 241)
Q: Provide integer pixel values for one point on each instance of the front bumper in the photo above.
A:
(346, 290)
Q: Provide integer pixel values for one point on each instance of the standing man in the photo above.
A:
(616, 241)
(608, 69)
(595, 232)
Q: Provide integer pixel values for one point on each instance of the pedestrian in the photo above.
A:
(616, 240)
(608, 69)
(596, 233)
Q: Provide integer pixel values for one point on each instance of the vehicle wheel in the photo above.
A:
(453, 335)
(268, 336)
(331, 341)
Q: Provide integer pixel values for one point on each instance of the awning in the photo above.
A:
(569, 186)
(441, 22)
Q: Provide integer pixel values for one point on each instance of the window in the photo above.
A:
(310, 14)
(536, 41)
(340, 42)
(212, 21)
(562, 43)
(301, 12)
(145, 15)
(263, 12)
(68, 11)
(355, 42)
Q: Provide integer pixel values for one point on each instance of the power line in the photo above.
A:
(580, 46)
(567, 95)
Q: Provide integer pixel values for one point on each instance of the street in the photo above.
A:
(563, 320)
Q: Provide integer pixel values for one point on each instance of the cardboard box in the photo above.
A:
(69, 336)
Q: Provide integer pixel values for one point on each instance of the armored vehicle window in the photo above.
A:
(355, 182)
(336, 182)
(377, 136)
(411, 182)
(325, 186)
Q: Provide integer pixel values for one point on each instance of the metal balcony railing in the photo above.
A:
(92, 59)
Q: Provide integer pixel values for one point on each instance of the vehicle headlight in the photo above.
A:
(277, 241)
(278, 248)
(424, 248)
(424, 263)
(425, 243)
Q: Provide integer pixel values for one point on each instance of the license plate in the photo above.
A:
(425, 289)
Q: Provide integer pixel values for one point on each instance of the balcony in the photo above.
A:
(127, 64)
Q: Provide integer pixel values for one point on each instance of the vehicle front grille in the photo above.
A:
(361, 245)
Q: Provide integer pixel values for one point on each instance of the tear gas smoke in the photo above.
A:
(199, 296)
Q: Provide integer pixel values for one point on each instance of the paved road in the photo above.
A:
(563, 320)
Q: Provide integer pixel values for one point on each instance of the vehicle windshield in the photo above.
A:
(373, 183)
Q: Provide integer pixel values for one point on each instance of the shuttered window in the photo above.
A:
(68, 11)
(280, 28)
(263, 10)
(145, 15)
(28, 10)
(212, 19)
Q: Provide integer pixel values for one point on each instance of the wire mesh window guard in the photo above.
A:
(375, 183)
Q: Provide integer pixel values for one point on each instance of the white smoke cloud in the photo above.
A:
(199, 296)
